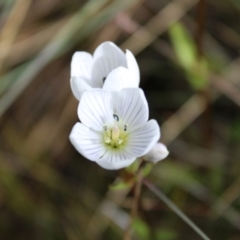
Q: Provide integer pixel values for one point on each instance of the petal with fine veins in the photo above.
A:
(81, 65)
(118, 79)
(78, 86)
(143, 139)
(132, 107)
(113, 160)
(96, 109)
(87, 142)
(133, 67)
(109, 49)
(106, 58)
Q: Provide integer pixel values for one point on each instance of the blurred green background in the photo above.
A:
(188, 53)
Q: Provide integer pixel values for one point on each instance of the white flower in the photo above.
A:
(157, 153)
(114, 128)
(97, 71)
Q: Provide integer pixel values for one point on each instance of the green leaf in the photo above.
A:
(147, 169)
(166, 234)
(185, 49)
(121, 185)
(134, 166)
(183, 44)
(198, 74)
(141, 229)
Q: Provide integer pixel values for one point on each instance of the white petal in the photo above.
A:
(157, 153)
(78, 86)
(143, 139)
(96, 109)
(118, 79)
(81, 65)
(110, 50)
(87, 142)
(133, 67)
(106, 58)
(132, 108)
(113, 160)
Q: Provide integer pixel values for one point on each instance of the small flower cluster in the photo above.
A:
(114, 128)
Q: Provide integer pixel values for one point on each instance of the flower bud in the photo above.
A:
(157, 153)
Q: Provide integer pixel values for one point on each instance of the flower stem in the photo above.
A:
(174, 208)
(135, 204)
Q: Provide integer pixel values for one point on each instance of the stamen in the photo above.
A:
(115, 116)
(107, 140)
(115, 136)
(119, 141)
(115, 133)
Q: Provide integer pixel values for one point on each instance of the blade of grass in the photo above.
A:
(11, 28)
(6, 7)
(54, 49)
(63, 41)
(174, 208)
(181, 175)
(148, 33)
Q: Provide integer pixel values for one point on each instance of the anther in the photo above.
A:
(105, 128)
(115, 116)
(125, 128)
(104, 78)
(107, 140)
(119, 141)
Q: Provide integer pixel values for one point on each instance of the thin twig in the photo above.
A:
(200, 19)
(206, 93)
(174, 208)
(225, 87)
(135, 204)
(149, 32)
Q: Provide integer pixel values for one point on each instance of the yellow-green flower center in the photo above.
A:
(115, 136)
